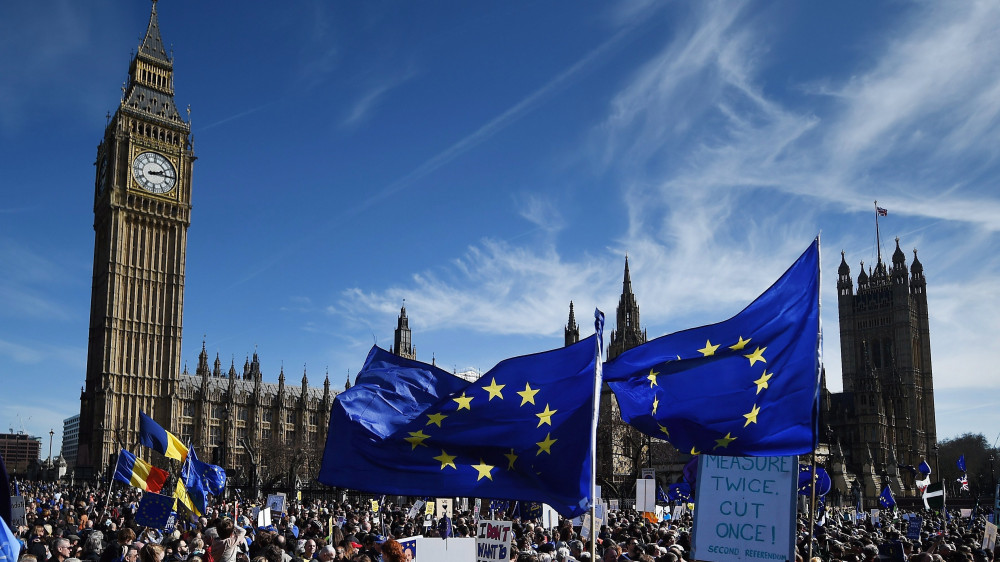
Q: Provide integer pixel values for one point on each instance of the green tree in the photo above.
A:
(981, 463)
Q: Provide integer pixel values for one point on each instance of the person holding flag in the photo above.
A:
(886, 500)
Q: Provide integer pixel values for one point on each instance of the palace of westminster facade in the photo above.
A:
(884, 417)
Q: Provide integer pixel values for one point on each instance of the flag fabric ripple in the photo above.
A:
(152, 435)
(521, 432)
(747, 386)
(136, 472)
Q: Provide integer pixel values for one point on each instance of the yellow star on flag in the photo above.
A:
(494, 389)
(511, 457)
(546, 445)
(435, 419)
(656, 403)
(484, 470)
(664, 430)
(725, 441)
(709, 349)
(740, 344)
(416, 438)
(463, 401)
(446, 460)
(752, 416)
(652, 378)
(694, 451)
(762, 381)
(757, 355)
(545, 416)
(528, 394)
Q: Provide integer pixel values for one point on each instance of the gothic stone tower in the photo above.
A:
(142, 206)
(402, 344)
(619, 444)
(888, 399)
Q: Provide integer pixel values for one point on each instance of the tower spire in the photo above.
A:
(152, 44)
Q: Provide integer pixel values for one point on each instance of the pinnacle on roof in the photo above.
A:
(844, 269)
(627, 283)
(572, 316)
(917, 266)
(152, 44)
(898, 257)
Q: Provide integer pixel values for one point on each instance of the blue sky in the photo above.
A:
(490, 162)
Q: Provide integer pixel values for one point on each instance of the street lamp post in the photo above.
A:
(51, 470)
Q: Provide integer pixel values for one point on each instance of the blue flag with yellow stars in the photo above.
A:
(191, 488)
(213, 477)
(747, 386)
(522, 431)
(154, 510)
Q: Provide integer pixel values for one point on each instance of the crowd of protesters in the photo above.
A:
(84, 524)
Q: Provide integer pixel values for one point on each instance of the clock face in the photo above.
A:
(154, 172)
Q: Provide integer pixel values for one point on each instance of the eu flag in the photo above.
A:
(885, 499)
(522, 431)
(154, 510)
(213, 477)
(961, 463)
(194, 486)
(747, 386)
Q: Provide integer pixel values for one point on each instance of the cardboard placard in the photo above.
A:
(746, 508)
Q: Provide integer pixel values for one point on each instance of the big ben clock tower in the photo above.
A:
(142, 209)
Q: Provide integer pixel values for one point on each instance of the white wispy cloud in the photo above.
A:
(374, 94)
(716, 213)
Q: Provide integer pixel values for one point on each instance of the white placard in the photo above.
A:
(414, 509)
(277, 503)
(613, 505)
(746, 509)
(444, 508)
(648, 473)
(493, 540)
(990, 537)
(550, 517)
(262, 516)
(645, 495)
(875, 516)
(678, 511)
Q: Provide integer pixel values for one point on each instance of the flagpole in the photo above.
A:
(107, 503)
(812, 506)
(878, 240)
(598, 374)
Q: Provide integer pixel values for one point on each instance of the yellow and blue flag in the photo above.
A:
(747, 386)
(154, 510)
(194, 494)
(136, 472)
(152, 435)
(181, 494)
(522, 431)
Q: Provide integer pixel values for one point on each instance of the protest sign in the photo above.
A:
(493, 540)
(645, 495)
(414, 509)
(678, 511)
(746, 508)
(444, 508)
(550, 517)
(277, 504)
(913, 528)
(648, 473)
(990, 537)
(965, 512)
(17, 511)
(613, 504)
(874, 516)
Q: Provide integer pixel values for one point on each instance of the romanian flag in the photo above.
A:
(136, 472)
(155, 437)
